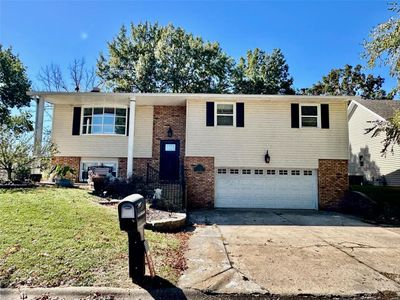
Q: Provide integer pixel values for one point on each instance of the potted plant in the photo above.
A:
(63, 175)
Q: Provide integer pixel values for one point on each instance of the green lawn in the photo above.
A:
(58, 237)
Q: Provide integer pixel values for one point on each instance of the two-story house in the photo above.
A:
(247, 151)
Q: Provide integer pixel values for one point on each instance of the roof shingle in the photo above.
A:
(384, 108)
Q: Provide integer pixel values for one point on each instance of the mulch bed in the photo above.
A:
(156, 214)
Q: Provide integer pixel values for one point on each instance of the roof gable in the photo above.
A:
(383, 108)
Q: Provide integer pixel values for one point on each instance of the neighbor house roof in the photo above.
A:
(383, 108)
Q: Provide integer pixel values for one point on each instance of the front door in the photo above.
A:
(169, 160)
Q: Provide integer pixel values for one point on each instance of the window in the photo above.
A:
(221, 171)
(295, 172)
(258, 172)
(87, 165)
(104, 120)
(361, 159)
(283, 172)
(307, 172)
(224, 114)
(309, 116)
(246, 171)
(270, 172)
(234, 171)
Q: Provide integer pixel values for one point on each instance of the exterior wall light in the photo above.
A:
(169, 132)
(267, 158)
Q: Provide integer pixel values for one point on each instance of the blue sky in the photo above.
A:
(315, 36)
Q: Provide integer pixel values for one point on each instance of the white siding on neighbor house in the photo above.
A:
(267, 127)
(101, 145)
(375, 165)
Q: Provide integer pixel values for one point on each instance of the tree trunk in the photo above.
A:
(9, 173)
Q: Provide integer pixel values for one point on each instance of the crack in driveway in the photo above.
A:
(390, 277)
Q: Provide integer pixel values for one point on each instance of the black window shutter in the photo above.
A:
(76, 121)
(295, 115)
(210, 113)
(239, 114)
(325, 115)
(127, 121)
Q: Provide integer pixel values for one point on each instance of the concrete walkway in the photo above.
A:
(291, 253)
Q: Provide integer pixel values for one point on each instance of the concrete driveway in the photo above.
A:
(291, 253)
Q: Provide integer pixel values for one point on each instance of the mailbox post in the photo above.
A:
(132, 219)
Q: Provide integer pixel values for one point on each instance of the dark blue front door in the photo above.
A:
(169, 160)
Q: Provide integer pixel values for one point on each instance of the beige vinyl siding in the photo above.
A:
(101, 145)
(375, 165)
(267, 127)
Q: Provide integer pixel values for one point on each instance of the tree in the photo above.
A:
(262, 73)
(350, 81)
(153, 58)
(391, 129)
(17, 149)
(383, 48)
(14, 84)
(81, 77)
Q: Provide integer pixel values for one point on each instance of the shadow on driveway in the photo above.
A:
(273, 217)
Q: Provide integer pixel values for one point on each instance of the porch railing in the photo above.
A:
(172, 191)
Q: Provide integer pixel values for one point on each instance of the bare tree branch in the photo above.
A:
(80, 77)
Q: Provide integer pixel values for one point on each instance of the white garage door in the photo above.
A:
(266, 188)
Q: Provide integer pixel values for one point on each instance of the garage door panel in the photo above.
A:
(266, 191)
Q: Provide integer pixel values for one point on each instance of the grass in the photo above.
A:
(61, 237)
(387, 199)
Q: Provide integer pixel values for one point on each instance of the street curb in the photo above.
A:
(94, 293)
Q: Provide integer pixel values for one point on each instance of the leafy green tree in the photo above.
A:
(153, 58)
(383, 48)
(350, 81)
(390, 128)
(17, 149)
(262, 73)
(14, 83)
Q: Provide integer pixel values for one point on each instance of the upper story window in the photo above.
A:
(309, 116)
(104, 120)
(224, 114)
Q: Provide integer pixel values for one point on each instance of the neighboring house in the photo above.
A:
(222, 141)
(366, 158)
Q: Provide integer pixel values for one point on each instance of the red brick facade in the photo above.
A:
(333, 182)
(200, 185)
(73, 161)
(165, 117)
(139, 166)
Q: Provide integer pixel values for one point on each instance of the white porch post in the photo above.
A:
(38, 131)
(131, 137)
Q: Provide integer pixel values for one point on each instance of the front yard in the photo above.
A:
(61, 237)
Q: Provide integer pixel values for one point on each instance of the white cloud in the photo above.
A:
(84, 35)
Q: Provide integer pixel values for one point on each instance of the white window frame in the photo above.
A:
(318, 115)
(103, 106)
(97, 162)
(216, 114)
